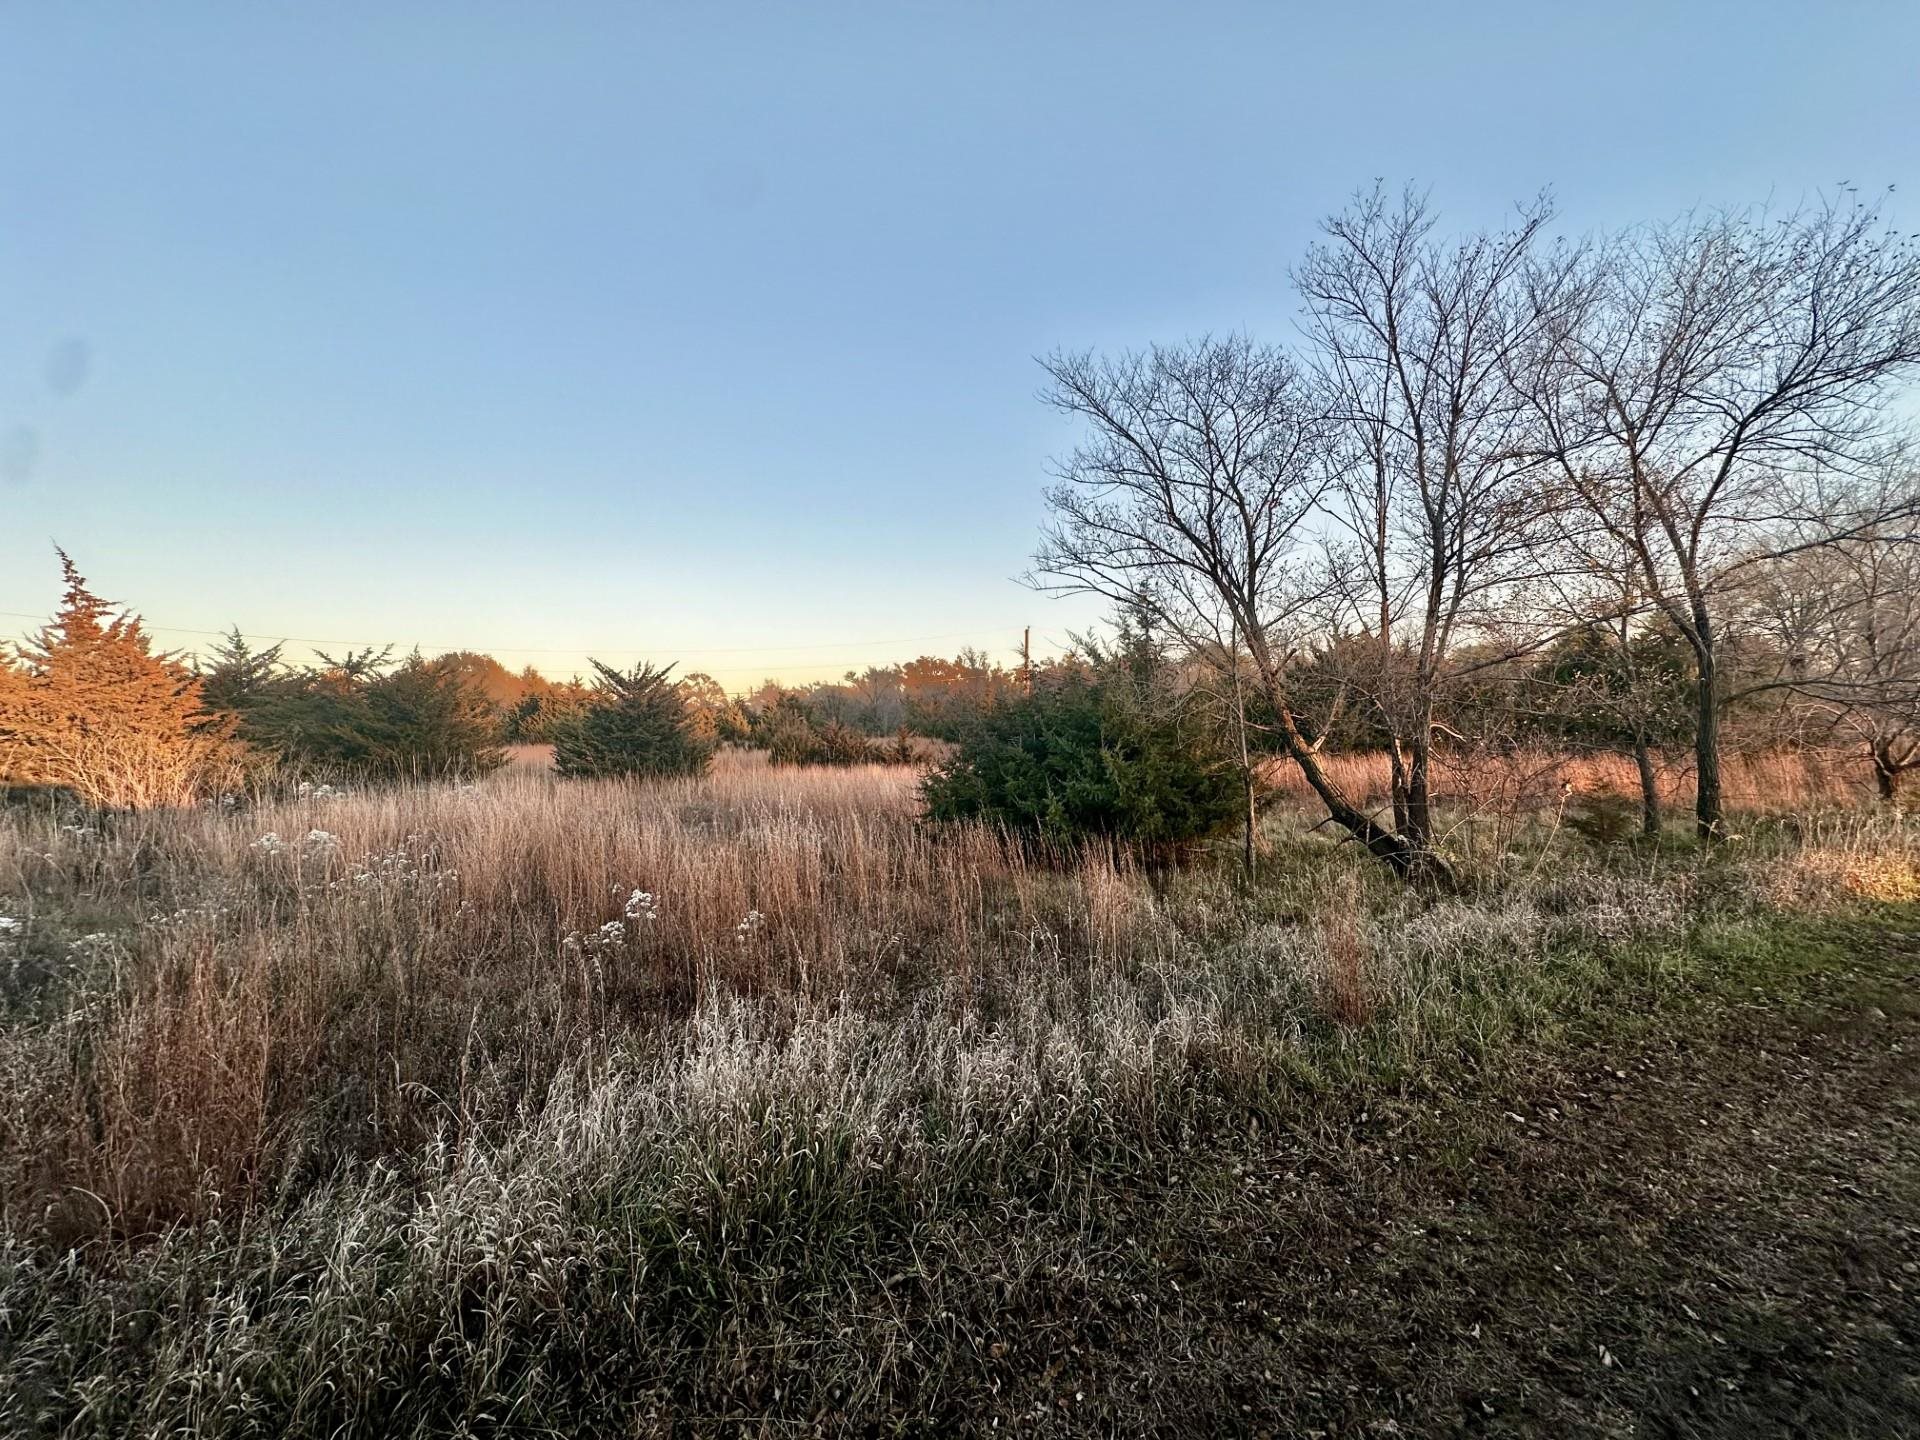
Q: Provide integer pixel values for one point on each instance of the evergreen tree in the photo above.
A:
(239, 676)
(88, 706)
(428, 719)
(715, 715)
(1107, 754)
(636, 724)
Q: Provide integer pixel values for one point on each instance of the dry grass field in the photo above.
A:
(751, 1104)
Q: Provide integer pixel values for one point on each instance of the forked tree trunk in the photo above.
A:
(1401, 855)
(1406, 859)
(1397, 756)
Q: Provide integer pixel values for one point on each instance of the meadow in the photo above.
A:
(752, 1104)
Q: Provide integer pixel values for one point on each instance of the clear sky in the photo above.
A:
(705, 332)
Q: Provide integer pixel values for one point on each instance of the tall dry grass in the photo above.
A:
(211, 1004)
(326, 980)
(456, 1085)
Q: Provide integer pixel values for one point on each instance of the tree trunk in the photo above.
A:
(1708, 813)
(1407, 860)
(1397, 756)
(1418, 824)
(1649, 788)
(1246, 765)
(1886, 775)
(1253, 819)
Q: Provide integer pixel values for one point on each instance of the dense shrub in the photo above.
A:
(1603, 818)
(714, 714)
(538, 719)
(1091, 757)
(426, 718)
(358, 717)
(791, 737)
(637, 723)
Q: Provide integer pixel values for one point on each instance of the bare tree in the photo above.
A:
(1416, 344)
(1844, 620)
(1187, 501)
(1716, 370)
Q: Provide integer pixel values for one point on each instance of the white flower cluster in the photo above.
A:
(609, 936)
(749, 927)
(320, 841)
(191, 915)
(11, 926)
(408, 864)
(640, 906)
(310, 791)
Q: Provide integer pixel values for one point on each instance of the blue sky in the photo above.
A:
(706, 332)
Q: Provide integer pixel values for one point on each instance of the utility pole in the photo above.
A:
(1026, 658)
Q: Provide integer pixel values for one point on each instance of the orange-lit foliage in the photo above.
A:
(88, 707)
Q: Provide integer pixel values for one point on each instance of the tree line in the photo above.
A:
(88, 706)
(1139, 740)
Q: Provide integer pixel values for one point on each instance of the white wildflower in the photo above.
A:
(270, 842)
(640, 906)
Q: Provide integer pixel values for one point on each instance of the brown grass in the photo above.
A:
(456, 1131)
(266, 994)
(1522, 781)
(436, 956)
(1347, 989)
